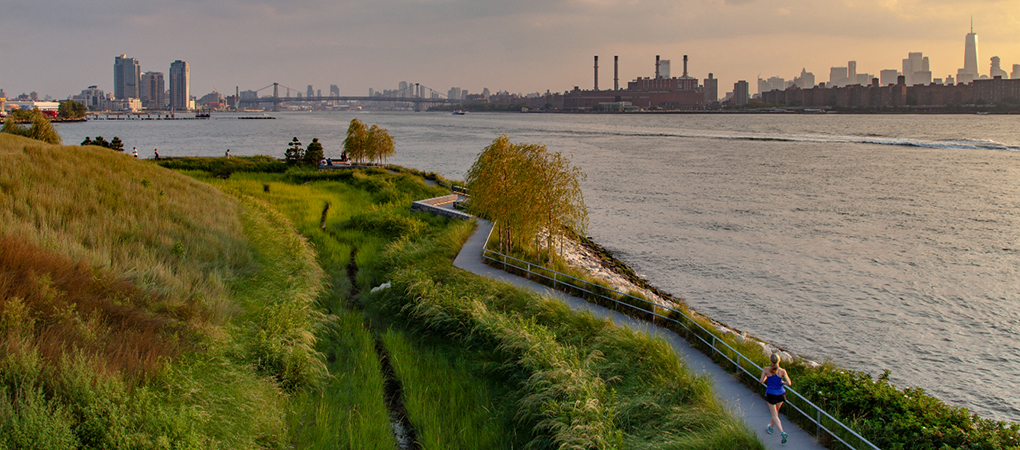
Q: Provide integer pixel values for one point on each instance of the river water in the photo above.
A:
(877, 241)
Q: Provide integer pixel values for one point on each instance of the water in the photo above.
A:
(879, 241)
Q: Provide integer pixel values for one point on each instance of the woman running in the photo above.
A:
(775, 379)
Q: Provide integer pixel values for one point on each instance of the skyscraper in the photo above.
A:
(996, 70)
(310, 91)
(664, 68)
(969, 72)
(1016, 71)
(851, 72)
(152, 90)
(125, 77)
(180, 85)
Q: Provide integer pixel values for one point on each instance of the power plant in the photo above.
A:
(660, 91)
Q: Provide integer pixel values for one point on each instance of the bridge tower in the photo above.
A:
(276, 96)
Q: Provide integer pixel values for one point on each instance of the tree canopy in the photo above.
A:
(524, 189)
(313, 154)
(70, 109)
(294, 153)
(368, 144)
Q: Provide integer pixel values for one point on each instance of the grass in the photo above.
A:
(131, 301)
(449, 405)
(579, 382)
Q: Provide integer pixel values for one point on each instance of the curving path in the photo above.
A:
(741, 401)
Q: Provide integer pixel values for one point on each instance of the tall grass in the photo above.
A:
(142, 309)
(580, 381)
(450, 407)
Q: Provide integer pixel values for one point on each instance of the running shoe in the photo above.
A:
(783, 434)
(770, 429)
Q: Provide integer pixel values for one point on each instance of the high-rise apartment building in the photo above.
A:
(1016, 71)
(851, 72)
(454, 93)
(310, 91)
(126, 76)
(180, 85)
(969, 72)
(153, 90)
(711, 89)
(334, 90)
(741, 94)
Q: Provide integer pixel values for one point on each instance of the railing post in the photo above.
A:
(818, 422)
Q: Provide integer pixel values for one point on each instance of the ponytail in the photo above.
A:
(775, 361)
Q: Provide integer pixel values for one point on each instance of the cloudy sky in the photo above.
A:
(59, 47)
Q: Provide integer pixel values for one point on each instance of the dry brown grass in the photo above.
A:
(166, 233)
(58, 307)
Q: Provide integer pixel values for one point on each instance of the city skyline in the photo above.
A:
(521, 47)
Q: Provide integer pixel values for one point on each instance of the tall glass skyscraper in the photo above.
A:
(969, 72)
(180, 85)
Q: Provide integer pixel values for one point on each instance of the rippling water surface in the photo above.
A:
(881, 242)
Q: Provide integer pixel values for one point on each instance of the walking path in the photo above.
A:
(741, 401)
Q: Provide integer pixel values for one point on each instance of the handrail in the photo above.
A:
(819, 413)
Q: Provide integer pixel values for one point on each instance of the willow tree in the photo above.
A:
(558, 201)
(524, 188)
(356, 143)
(380, 144)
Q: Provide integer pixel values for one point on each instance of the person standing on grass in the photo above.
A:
(775, 379)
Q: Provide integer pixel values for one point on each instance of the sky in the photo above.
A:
(59, 47)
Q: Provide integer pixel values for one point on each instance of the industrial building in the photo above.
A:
(660, 91)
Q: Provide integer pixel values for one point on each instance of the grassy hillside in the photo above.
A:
(142, 309)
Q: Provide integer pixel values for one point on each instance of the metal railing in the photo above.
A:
(822, 420)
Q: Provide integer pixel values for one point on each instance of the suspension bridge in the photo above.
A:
(414, 94)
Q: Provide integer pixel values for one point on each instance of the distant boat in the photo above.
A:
(458, 112)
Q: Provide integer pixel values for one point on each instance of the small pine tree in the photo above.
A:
(100, 142)
(294, 152)
(116, 144)
(313, 154)
(87, 141)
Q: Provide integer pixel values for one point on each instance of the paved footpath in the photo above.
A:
(739, 398)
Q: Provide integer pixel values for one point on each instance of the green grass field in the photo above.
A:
(147, 308)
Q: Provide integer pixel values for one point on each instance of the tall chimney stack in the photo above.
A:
(596, 72)
(685, 66)
(656, 66)
(616, 73)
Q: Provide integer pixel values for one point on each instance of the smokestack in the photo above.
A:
(685, 66)
(656, 66)
(596, 72)
(616, 73)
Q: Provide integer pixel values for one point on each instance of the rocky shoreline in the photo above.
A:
(586, 255)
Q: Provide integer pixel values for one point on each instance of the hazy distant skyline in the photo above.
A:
(60, 47)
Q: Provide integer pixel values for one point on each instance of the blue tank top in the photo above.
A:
(774, 385)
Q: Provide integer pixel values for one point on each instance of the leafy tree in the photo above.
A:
(87, 141)
(294, 151)
(356, 143)
(380, 144)
(99, 141)
(313, 154)
(71, 109)
(524, 188)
